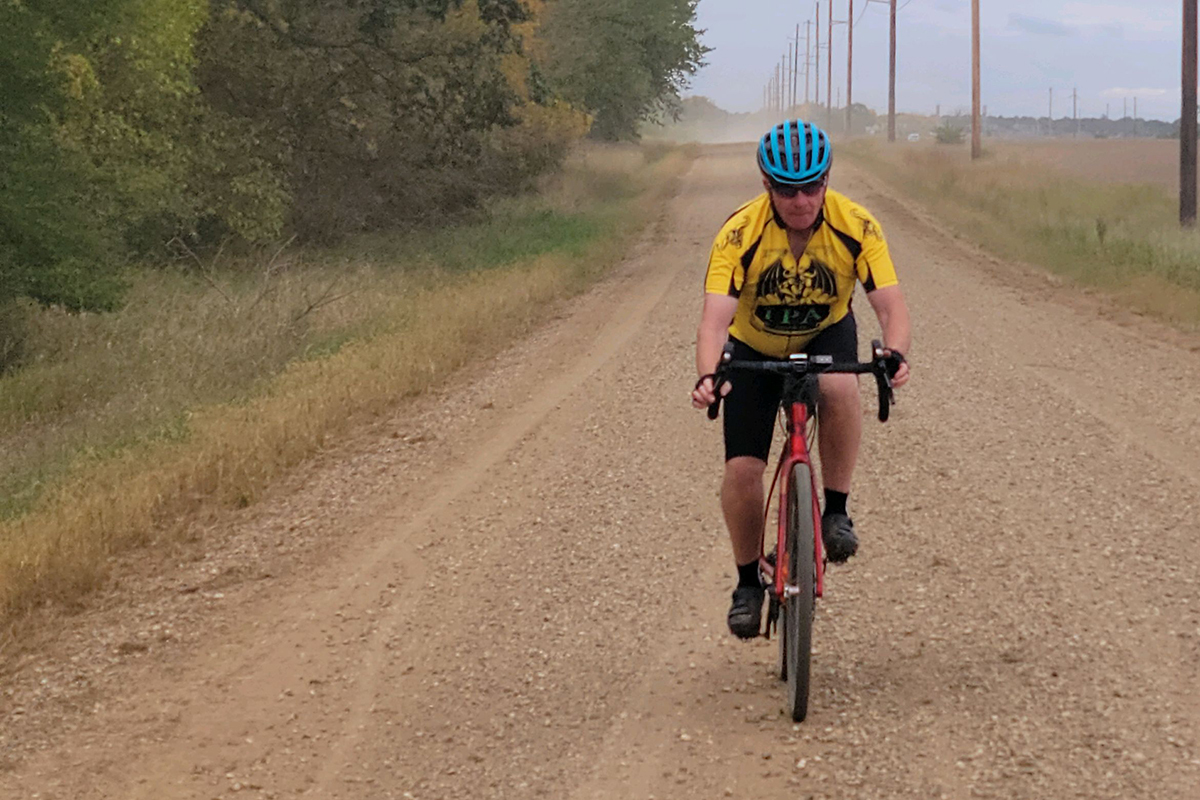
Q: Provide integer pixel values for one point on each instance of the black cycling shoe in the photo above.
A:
(837, 532)
(745, 615)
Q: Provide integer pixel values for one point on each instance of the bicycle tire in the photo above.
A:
(799, 608)
(781, 634)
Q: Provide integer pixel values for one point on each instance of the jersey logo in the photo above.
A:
(791, 302)
(737, 236)
(869, 228)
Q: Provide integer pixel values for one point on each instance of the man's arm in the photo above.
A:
(710, 342)
(892, 311)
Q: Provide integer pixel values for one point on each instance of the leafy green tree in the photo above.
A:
(625, 61)
(379, 113)
(51, 248)
(124, 123)
(96, 98)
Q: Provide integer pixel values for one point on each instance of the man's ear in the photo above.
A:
(766, 183)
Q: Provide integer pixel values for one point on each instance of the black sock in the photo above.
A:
(835, 502)
(748, 574)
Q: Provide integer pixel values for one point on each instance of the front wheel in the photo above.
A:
(797, 610)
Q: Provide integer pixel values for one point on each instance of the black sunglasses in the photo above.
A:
(808, 189)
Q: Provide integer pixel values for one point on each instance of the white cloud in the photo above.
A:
(1129, 18)
(1118, 91)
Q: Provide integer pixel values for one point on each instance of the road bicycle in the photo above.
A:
(794, 573)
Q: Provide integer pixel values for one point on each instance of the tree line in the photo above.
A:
(128, 124)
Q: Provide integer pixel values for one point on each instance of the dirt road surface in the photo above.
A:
(517, 588)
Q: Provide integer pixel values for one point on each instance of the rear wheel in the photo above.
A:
(797, 611)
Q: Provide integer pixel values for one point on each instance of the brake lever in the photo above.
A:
(719, 380)
(883, 380)
(714, 409)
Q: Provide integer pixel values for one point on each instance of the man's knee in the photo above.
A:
(744, 473)
(840, 392)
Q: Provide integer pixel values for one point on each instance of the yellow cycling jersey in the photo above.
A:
(784, 302)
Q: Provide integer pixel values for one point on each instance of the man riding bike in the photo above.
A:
(780, 281)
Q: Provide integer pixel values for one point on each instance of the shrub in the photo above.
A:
(948, 133)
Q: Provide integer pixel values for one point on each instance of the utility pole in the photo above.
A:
(829, 74)
(817, 57)
(1050, 113)
(849, 66)
(796, 64)
(1125, 108)
(782, 80)
(787, 78)
(892, 78)
(1187, 120)
(1075, 109)
(976, 123)
(807, 57)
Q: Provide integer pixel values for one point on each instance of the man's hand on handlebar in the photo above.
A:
(703, 395)
(901, 374)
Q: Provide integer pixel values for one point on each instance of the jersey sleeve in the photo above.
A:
(874, 265)
(726, 273)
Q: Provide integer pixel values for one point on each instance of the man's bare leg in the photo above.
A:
(840, 430)
(840, 433)
(742, 502)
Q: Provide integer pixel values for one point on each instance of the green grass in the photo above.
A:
(93, 385)
(1123, 239)
(210, 385)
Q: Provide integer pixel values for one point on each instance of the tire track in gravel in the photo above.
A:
(609, 340)
(546, 619)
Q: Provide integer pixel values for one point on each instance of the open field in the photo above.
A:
(1038, 205)
(1108, 161)
(1154, 161)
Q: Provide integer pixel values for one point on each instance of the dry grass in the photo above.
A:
(1142, 161)
(1118, 237)
(205, 389)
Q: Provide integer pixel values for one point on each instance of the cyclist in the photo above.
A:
(780, 281)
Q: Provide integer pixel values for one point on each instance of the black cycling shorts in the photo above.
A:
(753, 401)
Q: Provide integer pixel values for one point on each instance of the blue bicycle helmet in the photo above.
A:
(794, 153)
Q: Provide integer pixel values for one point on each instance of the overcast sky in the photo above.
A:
(1110, 50)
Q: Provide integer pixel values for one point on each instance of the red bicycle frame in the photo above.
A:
(795, 452)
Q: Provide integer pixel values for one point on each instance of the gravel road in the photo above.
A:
(516, 587)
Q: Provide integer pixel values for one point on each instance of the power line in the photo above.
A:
(863, 13)
(870, 3)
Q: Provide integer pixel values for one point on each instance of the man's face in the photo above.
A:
(800, 211)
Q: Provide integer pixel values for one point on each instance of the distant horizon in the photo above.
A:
(1108, 52)
(956, 113)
